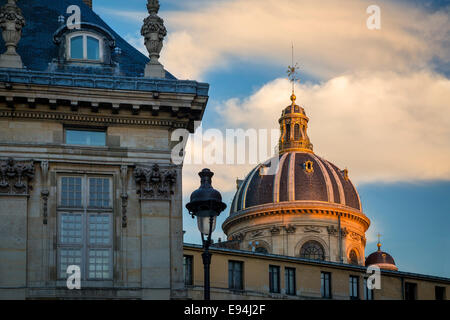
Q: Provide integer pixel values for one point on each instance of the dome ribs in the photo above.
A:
(309, 185)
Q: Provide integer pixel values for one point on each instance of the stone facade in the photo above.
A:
(255, 277)
(147, 227)
(285, 230)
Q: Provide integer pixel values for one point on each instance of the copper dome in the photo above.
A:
(382, 259)
(301, 176)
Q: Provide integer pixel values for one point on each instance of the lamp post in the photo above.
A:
(206, 204)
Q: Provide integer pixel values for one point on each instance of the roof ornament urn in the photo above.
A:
(11, 22)
(154, 32)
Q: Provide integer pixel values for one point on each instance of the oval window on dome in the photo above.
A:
(312, 250)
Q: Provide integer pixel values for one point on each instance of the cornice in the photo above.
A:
(102, 82)
(95, 119)
(297, 208)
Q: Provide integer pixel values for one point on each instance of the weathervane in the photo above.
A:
(292, 72)
(379, 243)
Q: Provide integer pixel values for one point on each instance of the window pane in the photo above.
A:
(187, 264)
(76, 47)
(93, 49)
(99, 193)
(99, 264)
(70, 229)
(99, 229)
(71, 192)
(68, 257)
(86, 138)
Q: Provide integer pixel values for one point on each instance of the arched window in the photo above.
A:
(261, 250)
(288, 132)
(353, 257)
(84, 47)
(312, 250)
(297, 132)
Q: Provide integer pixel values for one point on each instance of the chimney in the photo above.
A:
(88, 3)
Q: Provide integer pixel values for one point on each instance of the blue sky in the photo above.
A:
(400, 161)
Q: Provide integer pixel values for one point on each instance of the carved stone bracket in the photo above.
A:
(15, 176)
(257, 233)
(45, 193)
(155, 183)
(124, 194)
(290, 228)
(275, 230)
(344, 232)
(355, 236)
(332, 230)
(238, 237)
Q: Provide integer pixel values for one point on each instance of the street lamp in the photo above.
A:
(206, 204)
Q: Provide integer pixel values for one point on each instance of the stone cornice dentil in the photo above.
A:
(298, 207)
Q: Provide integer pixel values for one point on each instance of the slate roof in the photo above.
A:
(326, 183)
(38, 50)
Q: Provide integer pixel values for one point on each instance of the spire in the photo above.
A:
(379, 243)
(293, 121)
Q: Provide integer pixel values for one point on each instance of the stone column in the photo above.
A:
(14, 190)
(157, 188)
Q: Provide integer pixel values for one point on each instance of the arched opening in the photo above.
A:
(312, 250)
(353, 257)
(297, 132)
(288, 132)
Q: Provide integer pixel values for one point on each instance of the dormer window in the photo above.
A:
(84, 47)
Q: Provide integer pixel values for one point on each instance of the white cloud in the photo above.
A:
(383, 126)
(331, 38)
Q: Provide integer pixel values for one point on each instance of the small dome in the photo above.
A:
(381, 259)
(301, 176)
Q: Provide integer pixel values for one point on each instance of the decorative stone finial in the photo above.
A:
(11, 23)
(154, 32)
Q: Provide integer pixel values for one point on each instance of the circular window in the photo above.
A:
(312, 250)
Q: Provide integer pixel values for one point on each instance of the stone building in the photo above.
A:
(86, 176)
(246, 275)
(309, 208)
(87, 180)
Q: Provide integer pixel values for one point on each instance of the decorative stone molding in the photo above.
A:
(238, 237)
(355, 236)
(311, 229)
(124, 194)
(155, 183)
(45, 193)
(275, 230)
(257, 233)
(290, 228)
(332, 230)
(11, 23)
(154, 32)
(15, 176)
(344, 232)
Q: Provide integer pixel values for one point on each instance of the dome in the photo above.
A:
(301, 177)
(381, 259)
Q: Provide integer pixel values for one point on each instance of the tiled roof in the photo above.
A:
(292, 182)
(37, 48)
